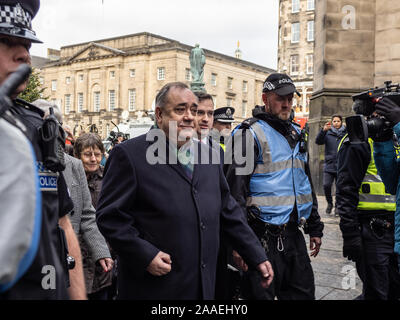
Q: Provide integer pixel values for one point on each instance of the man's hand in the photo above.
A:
(265, 268)
(237, 259)
(106, 264)
(160, 265)
(315, 244)
(390, 110)
(352, 248)
(267, 274)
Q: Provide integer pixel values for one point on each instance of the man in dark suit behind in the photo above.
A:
(163, 217)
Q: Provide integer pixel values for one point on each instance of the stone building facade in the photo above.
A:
(357, 47)
(296, 48)
(95, 82)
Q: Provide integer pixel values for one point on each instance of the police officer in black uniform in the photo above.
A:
(46, 278)
(366, 213)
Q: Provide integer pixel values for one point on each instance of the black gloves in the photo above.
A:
(389, 109)
(352, 247)
(384, 135)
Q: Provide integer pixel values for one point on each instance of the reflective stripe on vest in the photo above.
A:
(376, 198)
(279, 180)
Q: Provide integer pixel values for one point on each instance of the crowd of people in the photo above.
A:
(192, 210)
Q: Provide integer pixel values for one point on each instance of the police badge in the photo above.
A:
(19, 14)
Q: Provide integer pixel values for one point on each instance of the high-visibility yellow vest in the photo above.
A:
(372, 193)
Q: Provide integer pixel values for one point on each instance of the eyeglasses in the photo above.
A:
(90, 154)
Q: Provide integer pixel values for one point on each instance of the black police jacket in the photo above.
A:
(352, 161)
(239, 184)
(352, 164)
(47, 267)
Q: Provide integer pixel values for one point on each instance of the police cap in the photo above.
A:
(16, 18)
(224, 114)
(279, 83)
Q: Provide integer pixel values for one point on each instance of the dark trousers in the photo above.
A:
(329, 177)
(378, 268)
(227, 282)
(293, 274)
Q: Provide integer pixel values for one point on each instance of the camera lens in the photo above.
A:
(375, 125)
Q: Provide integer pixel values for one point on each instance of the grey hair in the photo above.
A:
(45, 106)
(162, 95)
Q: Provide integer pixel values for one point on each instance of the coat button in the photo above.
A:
(203, 265)
(202, 226)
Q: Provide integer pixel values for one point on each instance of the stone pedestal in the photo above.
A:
(197, 86)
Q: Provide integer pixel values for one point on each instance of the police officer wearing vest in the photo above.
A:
(366, 213)
(277, 194)
(47, 276)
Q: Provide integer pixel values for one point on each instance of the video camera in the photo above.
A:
(367, 124)
(113, 137)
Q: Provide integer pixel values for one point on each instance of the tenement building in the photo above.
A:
(296, 49)
(95, 82)
(357, 47)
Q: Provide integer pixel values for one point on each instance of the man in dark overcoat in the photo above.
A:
(163, 217)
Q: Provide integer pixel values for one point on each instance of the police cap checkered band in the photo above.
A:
(15, 16)
(224, 114)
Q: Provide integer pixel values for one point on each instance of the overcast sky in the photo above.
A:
(216, 25)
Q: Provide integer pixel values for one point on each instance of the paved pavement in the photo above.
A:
(335, 276)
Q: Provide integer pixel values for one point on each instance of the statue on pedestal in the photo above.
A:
(197, 62)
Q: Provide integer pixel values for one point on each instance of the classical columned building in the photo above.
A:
(95, 82)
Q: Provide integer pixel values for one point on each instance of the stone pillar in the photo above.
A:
(387, 42)
(344, 65)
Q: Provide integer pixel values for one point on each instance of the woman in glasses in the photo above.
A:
(90, 150)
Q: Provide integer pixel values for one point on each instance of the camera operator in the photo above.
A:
(366, 218)
(116, 138)
(387, 158)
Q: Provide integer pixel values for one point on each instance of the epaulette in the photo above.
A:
(29, 106)
(248, 122)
